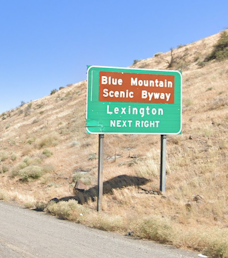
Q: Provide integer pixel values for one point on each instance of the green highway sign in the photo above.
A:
(133, 101)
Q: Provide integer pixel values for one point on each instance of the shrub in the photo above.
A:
(220, 51)
(15, 170)
(158, 54)
(201, 63)
(4, 116)
(47, 153)
(3, 195)
(4, 169)
(216, 249)
(62, 209)
(70, 210)
(53, 91)
(155, 228)
(13, 157)
(31, 172)
(40, 206)
(33, 161)
(75, 177)
(4, 155)
(31, 140)
(135, 61)
(48, 140)
(30, 168)
(108, 223)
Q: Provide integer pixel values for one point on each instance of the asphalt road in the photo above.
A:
(26, 233)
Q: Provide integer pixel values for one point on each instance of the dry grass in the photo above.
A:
(193, 213)
(3, 195)
(4, 155)
(48, 140)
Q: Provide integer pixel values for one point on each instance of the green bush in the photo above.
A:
(158, 54)
(135, 61)
(31, 140)
(13, 157)
(47, 153)
(5, 169)
(220, 51)
(30, 172)
(53, 91)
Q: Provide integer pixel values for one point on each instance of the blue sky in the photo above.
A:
(46, 44)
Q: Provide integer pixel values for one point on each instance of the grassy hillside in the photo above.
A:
(44, 150)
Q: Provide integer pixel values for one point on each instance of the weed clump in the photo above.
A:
(30, 169)
(216, 249)
(70, 210)
(53, 91)
(30, 172)
(220, 51)
(155, 228)
(13, 157)
(4, 155)
(3, 195)
(4, 169)
(135, 61)
(48, 140)
(47, 153)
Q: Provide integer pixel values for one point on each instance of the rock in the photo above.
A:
(79, 187)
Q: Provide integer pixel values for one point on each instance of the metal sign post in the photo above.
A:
(163, 163)
(100, 172)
